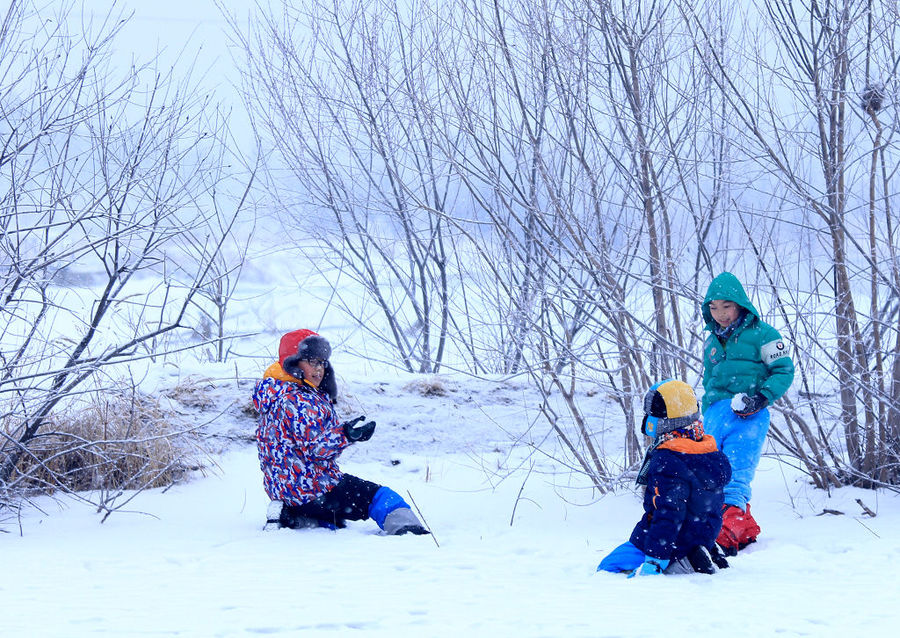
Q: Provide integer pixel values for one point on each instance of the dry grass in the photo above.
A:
(428, 387)
(249, 410)
(120, 440)
(194, 393)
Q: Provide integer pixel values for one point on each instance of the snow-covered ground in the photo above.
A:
(515, 548)
(517, 537)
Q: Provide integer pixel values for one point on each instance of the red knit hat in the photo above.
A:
(290, 341)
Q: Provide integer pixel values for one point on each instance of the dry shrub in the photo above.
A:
(194, 393)
(249, 410)
(120, 440)
(428, 387)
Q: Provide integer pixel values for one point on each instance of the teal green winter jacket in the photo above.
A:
(753, 360)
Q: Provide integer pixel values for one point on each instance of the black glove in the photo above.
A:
(745, 406)
(356, 433)
(702, 559)
(726, 550)
(718, 557)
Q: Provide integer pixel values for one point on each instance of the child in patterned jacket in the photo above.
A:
(299, 439)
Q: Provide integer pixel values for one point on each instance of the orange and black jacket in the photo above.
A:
(683, 500)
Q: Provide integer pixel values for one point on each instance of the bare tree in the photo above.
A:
(100, 174)
(618, 126)
(547, 186)
(341, 90)
(557, 141)
(225, 259)
(815, 128)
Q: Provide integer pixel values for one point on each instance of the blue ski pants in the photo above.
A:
(742, 440)
(624, 558)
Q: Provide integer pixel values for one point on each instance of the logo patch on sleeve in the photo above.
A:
(773, 351)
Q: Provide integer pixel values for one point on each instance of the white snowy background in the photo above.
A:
(517, 537)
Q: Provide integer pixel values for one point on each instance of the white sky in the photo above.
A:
(190, 35)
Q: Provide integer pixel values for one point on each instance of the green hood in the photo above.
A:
(726, 286)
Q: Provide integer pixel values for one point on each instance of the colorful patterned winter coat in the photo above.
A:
(298, 436)
(754, 358)
(683, 499)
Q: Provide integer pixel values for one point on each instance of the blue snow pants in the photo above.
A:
(384, 502)
(624, 558)
(742, 440)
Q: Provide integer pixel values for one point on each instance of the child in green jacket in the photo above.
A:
(746, 366)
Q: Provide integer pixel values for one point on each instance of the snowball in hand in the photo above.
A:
(739, 401)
